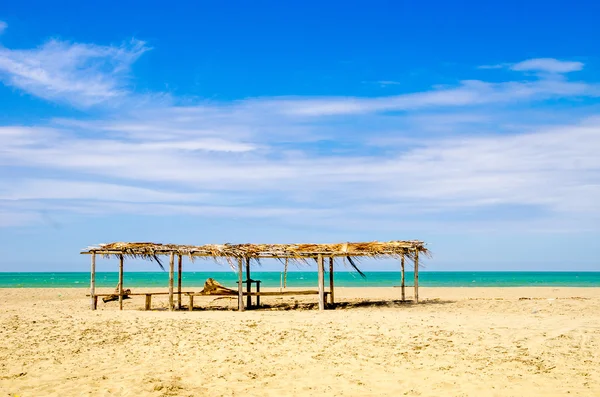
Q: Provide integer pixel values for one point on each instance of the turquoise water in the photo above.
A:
(308, 279)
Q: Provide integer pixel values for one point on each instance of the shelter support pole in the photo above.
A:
(321, 282)
(120, 282)
(171, 280)
(94, 300)
(416, 275)
(257, 291)
(285, 270)
(331, 300)
(402, 278)
(248, 284)
(240, 285)
(179, 268)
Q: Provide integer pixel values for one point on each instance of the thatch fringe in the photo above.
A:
(355, 267)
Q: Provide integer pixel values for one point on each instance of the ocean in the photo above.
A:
(307, 279)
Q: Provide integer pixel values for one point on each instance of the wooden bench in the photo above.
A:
(147, 294)
(258, 294)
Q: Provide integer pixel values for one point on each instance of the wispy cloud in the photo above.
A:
(79, 74)
(386, 83)
(84, 75)
(549, 65)
(441, 151)
(3, 26)
(555, 170)
(467, 93)
(543, 65)
(497, 66)
(58, 189)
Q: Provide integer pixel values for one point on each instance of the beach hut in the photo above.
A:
(240, 257)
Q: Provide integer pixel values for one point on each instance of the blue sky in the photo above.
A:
(474, 126)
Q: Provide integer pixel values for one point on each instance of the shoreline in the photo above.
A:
(314, 271)
(421, 288)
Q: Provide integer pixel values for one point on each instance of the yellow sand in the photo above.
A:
(459, 342)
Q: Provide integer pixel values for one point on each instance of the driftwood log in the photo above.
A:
(115, 296)
(213, 287)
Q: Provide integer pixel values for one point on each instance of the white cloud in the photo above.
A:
(80, 74)
(3, 26)
(386, 83)
(556, 170)
(497, 66)
(84, 75)
(468, 93)
(543, 65)
(549, 65)
(57, 189)
(280, 157)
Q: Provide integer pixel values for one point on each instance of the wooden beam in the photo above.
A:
(321, 282)
(142, 293)
(416, 276)
(248, 284)
(94, 300)
(331, 300)
(120, 282)
(268, 293)
(402, 278)
(179, 268)
(191, 307)
(148, 302)
(171, 279)
(240, 284)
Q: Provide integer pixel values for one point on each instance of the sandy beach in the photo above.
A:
(457, 342)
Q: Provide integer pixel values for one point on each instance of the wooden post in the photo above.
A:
(191, 308)
(240, 285)
(331, 280)
(285, 269)
(171, 279)
(258, 293)
(402, 280)
(416, 275)
(248, 284)
(179, 268)
(148, 302)
(120, 282)
(93, 282)
(321, 282)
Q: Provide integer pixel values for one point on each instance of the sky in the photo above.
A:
(473, 126)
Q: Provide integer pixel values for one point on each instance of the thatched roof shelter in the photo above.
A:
(239, 254)
(374, 249)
